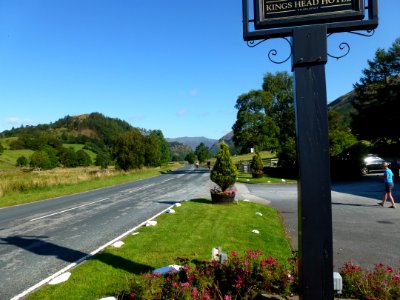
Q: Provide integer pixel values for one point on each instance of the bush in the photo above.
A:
(380, 283)
(224, 172)
(237, 278)
(256, 164)
(22, 161)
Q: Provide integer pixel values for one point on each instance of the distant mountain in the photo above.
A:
(344, 106)
(227, 138)
(193, 142)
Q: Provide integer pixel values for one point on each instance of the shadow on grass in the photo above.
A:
(37, 245)
(201, 200)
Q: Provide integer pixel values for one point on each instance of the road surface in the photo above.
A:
(39, 239)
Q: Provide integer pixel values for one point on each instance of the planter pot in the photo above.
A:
(221, 198)
(257, 174)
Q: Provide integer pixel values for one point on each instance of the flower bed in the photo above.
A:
(237, 278)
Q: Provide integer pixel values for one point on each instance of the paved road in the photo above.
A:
(39, 239)
(363, 232)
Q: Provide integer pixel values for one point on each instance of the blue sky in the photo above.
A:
(178, 66)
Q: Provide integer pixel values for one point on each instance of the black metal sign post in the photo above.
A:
(314, 192)
(309, 22)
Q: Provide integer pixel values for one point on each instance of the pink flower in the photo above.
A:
(194, 292)
(233, 253)
(132, 296)
(389, 269)
(174, 284)
(227, 297)
(185, 284)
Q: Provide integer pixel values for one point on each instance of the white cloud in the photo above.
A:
(190, 93)
(19, 121)
(181, 112)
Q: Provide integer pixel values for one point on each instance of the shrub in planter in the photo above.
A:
(257, 166)
(224, 173)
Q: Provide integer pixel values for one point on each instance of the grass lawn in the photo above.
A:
(247, 178)
(191, 232)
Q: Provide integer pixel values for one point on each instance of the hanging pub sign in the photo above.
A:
(284, 13)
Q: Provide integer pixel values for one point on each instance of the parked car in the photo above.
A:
(373, 163)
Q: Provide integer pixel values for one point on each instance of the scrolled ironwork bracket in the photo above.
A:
(344, 46)
(272, 52)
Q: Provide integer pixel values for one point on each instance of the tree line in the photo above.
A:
(265, 117)
(131, 150)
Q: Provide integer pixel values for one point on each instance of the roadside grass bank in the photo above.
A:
(19, 187)
(191, 232)
(247, 178)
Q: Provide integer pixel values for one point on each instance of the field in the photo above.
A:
(18, 186)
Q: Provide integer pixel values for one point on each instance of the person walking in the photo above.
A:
(388, 181)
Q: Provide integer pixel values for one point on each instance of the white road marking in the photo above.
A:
(70, 266)
(87, 204)
(69, 209)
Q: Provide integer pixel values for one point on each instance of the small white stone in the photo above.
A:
(246, 200)
(259, 214)
(109, 298)
(151, 223)
(255, 231)
(170, 211)
(118, 244)
(61, 278)
(178, 204)
(135, 233)
(283, 180)
(247, 179)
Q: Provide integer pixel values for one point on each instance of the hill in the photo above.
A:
(344, 106)
(94, 129)
(193, 142)
(227, 138)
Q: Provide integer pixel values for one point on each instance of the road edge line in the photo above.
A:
(88, 256)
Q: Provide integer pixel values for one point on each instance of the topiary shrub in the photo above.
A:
(256, 166)
(224, 173)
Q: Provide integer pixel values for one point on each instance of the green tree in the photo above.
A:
(280, 86)
(82, 158)
(377, 98)
(103, 159)
(22, 161)
(190, 157)
(53, 156)
(152, 150)
(265, 118)
(67, 157)
(202, 152)
(129, 150)
(340, 136)
(256, 164)
(1, 148)
(165, 155)
(40, 159)
(224, 172)
(254, 126)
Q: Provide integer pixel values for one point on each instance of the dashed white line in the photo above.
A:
(69, 209)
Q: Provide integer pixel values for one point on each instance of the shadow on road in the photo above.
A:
(370, 186)
(197, 171)
(37, 245)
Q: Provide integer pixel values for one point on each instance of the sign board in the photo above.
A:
(284, 13)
